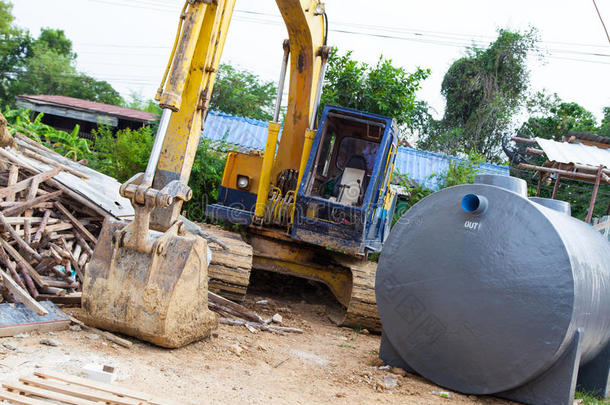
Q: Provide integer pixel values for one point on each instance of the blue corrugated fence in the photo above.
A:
(419, 165)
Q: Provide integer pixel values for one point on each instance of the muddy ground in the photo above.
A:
(325, 365)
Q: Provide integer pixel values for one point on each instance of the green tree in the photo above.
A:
(45, 65)
(56, 41)
(137, 102)
(15, 47)
(383, 89)
(242, 93)
(483, 92)
(604, 128)
(553, 118)
(6, 16)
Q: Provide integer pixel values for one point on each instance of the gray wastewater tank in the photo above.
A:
(484, 291)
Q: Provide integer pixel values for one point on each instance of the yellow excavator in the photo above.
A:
(314, 205)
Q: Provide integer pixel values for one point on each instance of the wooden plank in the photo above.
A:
(217, 302)
(25, 184)
(20, 399)
(22, 295)
(74, 299)
(51, 282)
(11, 268)
(54, 163)
(26, 205)
(113, 338)
(33, 220)
(56, 184)
(31, 195)
(83, 243)
(87, 383)
(19, 259)
(77, 224)
(43, 224)
(75, 390)
(598, 178)
(30, 390)
(62, 226)
(13, 176)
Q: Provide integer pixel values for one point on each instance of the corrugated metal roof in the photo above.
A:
(244, 132)
(563, 152)
(87, 105)
(419, 165)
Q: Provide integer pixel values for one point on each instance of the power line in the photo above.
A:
(158, 5)
(602, 20)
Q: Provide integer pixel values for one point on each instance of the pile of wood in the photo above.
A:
(247, 318)
(48, 233)
(49, 387)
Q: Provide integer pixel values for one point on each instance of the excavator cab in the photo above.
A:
(344, 201)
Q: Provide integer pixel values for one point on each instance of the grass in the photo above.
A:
(347, 346)
(590, 399)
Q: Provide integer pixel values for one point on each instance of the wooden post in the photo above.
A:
(539, 184)
(13, 177)
(556, 186)
(594, 196)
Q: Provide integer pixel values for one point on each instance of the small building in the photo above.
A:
(64, 113)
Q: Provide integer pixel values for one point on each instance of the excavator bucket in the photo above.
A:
(159, 297)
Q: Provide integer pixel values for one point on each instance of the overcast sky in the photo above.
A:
(127, 42)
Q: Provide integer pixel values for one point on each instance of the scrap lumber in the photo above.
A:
(46, 233)
(51, 162)
(77, 392)
(218, 303)
(107, 335)
(251, 320)
(26, 205)
(100, 386)
(21, 294)
(55, 387)
(76, 222)
(13, 176)
(260, 326)
(24, 185)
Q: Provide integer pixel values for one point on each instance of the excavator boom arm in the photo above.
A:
(185, 95)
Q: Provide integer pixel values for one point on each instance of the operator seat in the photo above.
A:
(350, 183)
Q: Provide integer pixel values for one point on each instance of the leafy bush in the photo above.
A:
(459, 172)
(70, 144)
(123, 154)
(67, 144)
(205, 180)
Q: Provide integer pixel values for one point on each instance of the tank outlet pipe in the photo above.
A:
(474, 204)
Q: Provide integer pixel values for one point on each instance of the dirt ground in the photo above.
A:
(325, 365)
